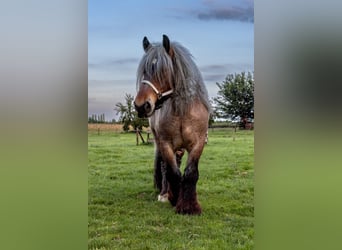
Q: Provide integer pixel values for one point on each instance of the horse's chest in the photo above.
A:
(165, 127)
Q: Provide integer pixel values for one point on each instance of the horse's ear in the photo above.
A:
(146, 44)
(166, 44)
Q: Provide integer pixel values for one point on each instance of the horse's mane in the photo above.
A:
(180, 71)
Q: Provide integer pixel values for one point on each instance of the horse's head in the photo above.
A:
(154, 77)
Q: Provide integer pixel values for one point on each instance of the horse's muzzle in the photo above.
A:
(144, 110)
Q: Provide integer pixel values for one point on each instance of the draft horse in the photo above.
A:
(172, 94)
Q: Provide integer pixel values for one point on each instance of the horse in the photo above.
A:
(172, 95)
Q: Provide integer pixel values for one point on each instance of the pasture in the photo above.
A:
(124, 212)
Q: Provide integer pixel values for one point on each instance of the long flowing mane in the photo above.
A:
(180, 72)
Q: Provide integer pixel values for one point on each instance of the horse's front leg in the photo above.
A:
(171, 174)
(160, 181)
(187, 202)
(163, 196)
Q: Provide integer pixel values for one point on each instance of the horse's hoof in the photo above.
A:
(191, 209)
(196, 211)
(189, 212)
(163, 198)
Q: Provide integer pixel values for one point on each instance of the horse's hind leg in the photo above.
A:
(179, 155)
(158, 176)
(187, 202)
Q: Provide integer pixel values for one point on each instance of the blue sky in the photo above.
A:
(218, 33)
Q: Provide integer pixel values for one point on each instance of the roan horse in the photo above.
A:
(171, 92)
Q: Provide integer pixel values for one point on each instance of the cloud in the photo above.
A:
(104, 94)
(221, 10)
(112, 63)
(213, 67)
(214, 77)
(229, 13)
(218, 72)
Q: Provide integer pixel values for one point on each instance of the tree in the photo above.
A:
(97, 118)
(128, 116)
(235, 98)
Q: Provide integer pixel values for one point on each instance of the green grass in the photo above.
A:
(124, 212)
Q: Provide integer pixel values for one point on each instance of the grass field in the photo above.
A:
(124, 212)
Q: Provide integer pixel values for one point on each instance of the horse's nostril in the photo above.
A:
(147, 107)
(144, 110)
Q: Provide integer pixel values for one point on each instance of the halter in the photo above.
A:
(159, 94)
(162, 96)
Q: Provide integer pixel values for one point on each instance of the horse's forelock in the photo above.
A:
(156, 64)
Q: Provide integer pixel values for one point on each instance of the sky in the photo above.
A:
(218, 33)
